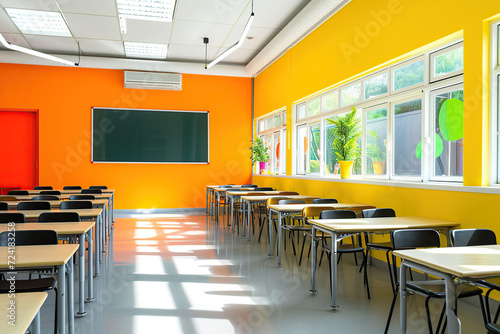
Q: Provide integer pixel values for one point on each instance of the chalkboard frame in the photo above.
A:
(93, 126)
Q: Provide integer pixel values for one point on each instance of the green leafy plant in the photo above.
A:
(373, 149)
(346, 132)
(259, 151)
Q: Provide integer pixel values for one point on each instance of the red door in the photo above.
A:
(18, 148)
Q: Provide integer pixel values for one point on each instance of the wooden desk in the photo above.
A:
(70, 191)
(80, 230)
(27, 312)
(33, 258)
(290, 209)
(99, 203)
(209, 194)
(339, 228)
(468, 263)
(218, 192)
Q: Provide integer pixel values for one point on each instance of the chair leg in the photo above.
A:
(389, 267)
(365, 274)
(55, 322)
(290, 235)
(303, 244)
(428, 314)
(261, 229)
(391, 310)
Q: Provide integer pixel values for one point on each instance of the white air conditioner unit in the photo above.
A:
(153, 80)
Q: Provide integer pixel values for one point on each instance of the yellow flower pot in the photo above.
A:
(345, 169)
(379, 167)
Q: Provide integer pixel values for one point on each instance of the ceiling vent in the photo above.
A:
(153, 80)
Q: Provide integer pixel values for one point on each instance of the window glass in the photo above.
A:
(409, 75)
(283, 118)
(330, 156)
(449, 62)
(376, 141)
(314, 149)
(302, 148)
(262, 126)
(313, 107)
(377, 85)
(330, 102)
(283, 152)
(269, 123)
(448, 133)
(275, 153)
(301, 111)
(407, 136)
(277, 121)
(350, 94)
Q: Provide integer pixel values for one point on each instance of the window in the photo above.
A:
(314, 149)
(447, 62)
(272, 130)
(376, 140)
(276, 152)
(495, 101)
(302, 149)
(313, 107)
(350, 94)
(330, 102)
(408, 75)
(301, 111)
(376, 85)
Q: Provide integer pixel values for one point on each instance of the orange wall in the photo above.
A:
(64, 97)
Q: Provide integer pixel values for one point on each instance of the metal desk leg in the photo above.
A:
(279, 238)
(451, 306)
(248, 218)
(35, 324)
(81, 275)
(90, 255)
(270, 233)
(333, 254)
(103, 234)
(243, 219)
(101, 237)
(313, 260)
(217, 207)
(97, 248)
(402, 298)
(231, 214)
(206, 200)
(61, 299)
(71, 297)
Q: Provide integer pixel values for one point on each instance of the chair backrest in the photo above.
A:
(325, 201)
(263, 189)
(291, 201)
(91, 191)
(226, 186)
(98, 187)
(249, 186)
(274, 200)
(50, 192)
(337, 214)
(67, 205)
(33, 205)
(76, 197)
(255, 193)
(30, 238)
(43, 188)
(45, 198)
(4, 206)
(311, 212)
(8, 198)
(72, 188)
(56, 217)
(289, 193)
(414, 238)
(473, 237)
(377, 213)
(18, 192)
(12, 217)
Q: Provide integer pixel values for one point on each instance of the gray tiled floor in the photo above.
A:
(178, 274)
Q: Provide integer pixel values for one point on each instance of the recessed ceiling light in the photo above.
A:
(156, 10)
(39, 22)
(145, 50)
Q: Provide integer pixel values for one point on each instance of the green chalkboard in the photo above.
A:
(149, 136)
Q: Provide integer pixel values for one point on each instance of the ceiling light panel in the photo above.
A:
(155, 10)
(39, 22)
(146, 50)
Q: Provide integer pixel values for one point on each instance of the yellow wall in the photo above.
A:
(366, 34)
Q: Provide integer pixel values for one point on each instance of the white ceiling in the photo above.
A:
(94, 24)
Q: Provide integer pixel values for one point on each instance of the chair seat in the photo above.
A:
(380, 245)
(346, 248)
(493, 328)
(492, 283)
(297, 228)
(33, 285)
(437, 288)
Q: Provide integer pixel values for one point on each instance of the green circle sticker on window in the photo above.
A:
(451, 119)
(438, 149)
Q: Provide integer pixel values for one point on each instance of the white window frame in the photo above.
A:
(271, 131)
(364, 142)
(349, 84)
(296, 155)
(389, 81)
(309, 141)
(495, 103)
(440, 52)
(335, 91)
(404, 64)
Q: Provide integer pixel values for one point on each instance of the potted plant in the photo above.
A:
(377, 156)
(345, 145)
(259, 154)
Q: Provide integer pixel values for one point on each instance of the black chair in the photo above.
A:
(72, 188)
(425, 238)
(50, 192)
(381, 246)
(33, 205)
(18, 192)
(98, 187)
(31, 238)
(72, 205)
(325, 201)
(354, 247)
(290, 227)
(12, 217)
(291, 201)
(263, 189)
(4, 206)
(43, 188)
(8, 198)
(45, 198)
(249, 186)
(58, 217)
(80, 197)
(91, 191)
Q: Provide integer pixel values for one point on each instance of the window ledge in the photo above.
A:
(447, 186)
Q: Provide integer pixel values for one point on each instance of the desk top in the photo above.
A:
(84, 213)
(57, 204)
(38, 256)
(379, 224)
(471, 261)
(244, 193)
(265, 198)
(218, 186)
(61, 197)
(233, 188)
(72, 192)
(27, 305)
(337, 206)
(63, 228)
